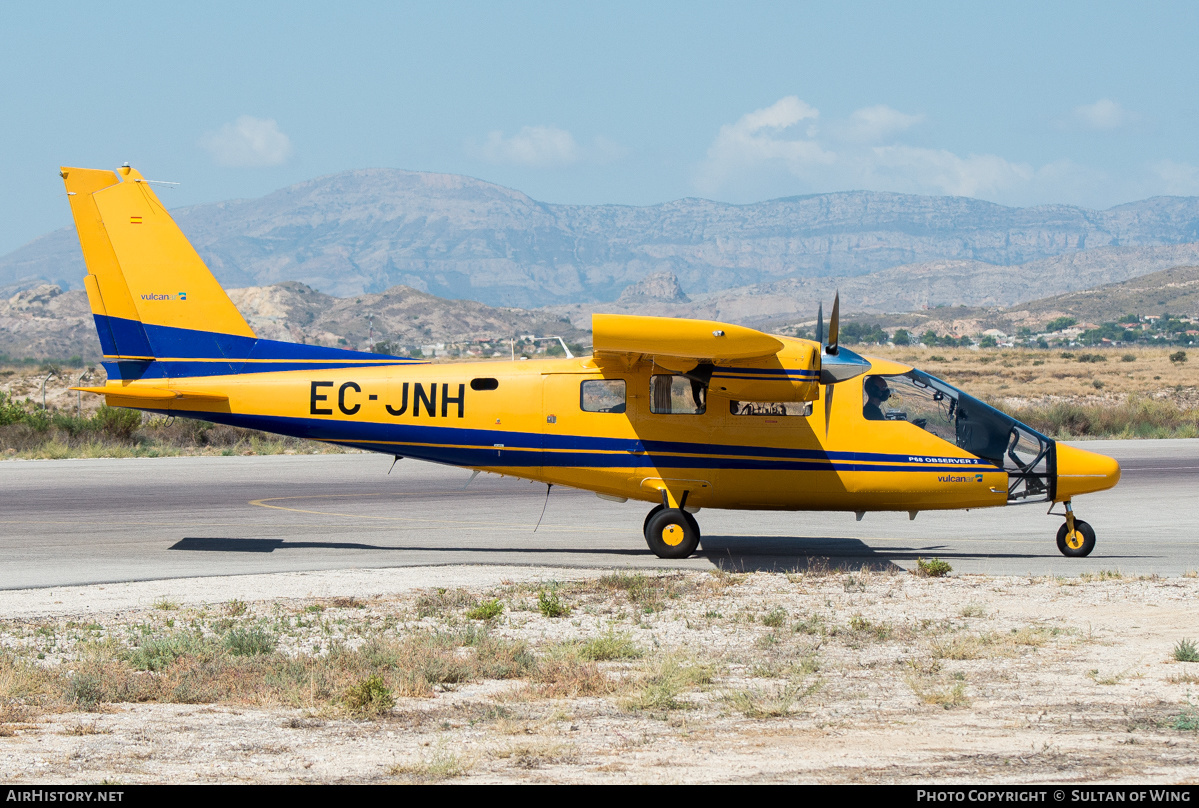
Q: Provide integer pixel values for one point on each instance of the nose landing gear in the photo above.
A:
(1076, 538)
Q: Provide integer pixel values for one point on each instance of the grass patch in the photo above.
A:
(249, 641)
(777, 703)
(947, 696)
(442, 765)
(235, 608)
(440, 601)
(775, 618)
(664, 681)
(610, 646)
(648, 591)
(862, 627)
(158, 653)
(990, 644)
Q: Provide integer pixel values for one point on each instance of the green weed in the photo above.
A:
(487, 610)
(932, 568)
(369, 697)
(1185, 651)
(550, 605)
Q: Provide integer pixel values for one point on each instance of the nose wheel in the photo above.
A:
(671, 532)
(1076, 538)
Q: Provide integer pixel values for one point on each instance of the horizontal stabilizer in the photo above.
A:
(686, 339)
(151, 394)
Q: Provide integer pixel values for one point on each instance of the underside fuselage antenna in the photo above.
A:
(548, 486)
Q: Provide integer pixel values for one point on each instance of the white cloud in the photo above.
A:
(858, 152)
(248, 142)
(1178, 179)
(535, 146)
(759, 137)
(1103, 114)
(872, 124)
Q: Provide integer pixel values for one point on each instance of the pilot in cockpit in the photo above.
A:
(876, 393)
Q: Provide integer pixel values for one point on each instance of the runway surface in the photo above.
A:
(94, 521)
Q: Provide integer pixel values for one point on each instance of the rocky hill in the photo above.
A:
(367, 231)
(909, 288)
(1174, 291)
(46, 322)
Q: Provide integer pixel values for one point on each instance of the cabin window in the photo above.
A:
(677, 395)
(484, 384)
(602, 395)
(770, 407)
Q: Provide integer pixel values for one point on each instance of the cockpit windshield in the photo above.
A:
(980, 429)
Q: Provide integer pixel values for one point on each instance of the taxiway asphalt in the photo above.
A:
(69, 522)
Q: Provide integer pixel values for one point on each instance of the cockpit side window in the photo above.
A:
(980, 429)
(902, 398)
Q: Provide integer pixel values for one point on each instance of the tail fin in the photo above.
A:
(150, 293)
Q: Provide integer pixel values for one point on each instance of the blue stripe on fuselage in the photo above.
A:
(475, 447)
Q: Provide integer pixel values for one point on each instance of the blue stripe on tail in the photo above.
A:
(184, 352)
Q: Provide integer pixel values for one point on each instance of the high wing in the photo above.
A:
(738, 362)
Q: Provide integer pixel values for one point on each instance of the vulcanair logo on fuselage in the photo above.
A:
(959, 478)
(162, 296)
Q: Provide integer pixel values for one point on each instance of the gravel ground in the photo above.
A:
(825, 676)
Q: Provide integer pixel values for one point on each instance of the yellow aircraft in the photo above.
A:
(686, 414)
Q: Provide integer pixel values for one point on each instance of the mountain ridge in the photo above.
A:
(367, 230)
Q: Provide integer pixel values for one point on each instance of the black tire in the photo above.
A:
(672, 533)
(657, 509)
(1088, 540)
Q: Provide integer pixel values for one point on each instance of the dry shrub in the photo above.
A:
(1135, 417)
(536, 755)
(646, 591)
(565, 676)
(438, 602)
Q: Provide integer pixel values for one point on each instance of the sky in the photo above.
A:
(1083, 103)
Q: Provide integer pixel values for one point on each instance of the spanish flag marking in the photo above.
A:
(135, 220)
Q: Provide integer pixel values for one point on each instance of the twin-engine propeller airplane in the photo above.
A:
(686, 414)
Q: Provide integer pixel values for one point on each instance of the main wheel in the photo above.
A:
(672, 533)
(657, 509)
(1076, 544)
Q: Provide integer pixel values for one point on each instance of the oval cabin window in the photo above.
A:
(484, 384)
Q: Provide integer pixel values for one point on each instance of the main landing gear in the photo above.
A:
(1076, 539)
(671, 532)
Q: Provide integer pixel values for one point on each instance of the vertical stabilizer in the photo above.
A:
(149, 281)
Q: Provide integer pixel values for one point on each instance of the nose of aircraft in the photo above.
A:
(1081, 472)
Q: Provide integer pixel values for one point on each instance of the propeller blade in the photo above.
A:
(820, 323)
(834, 326)
(837, 364)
